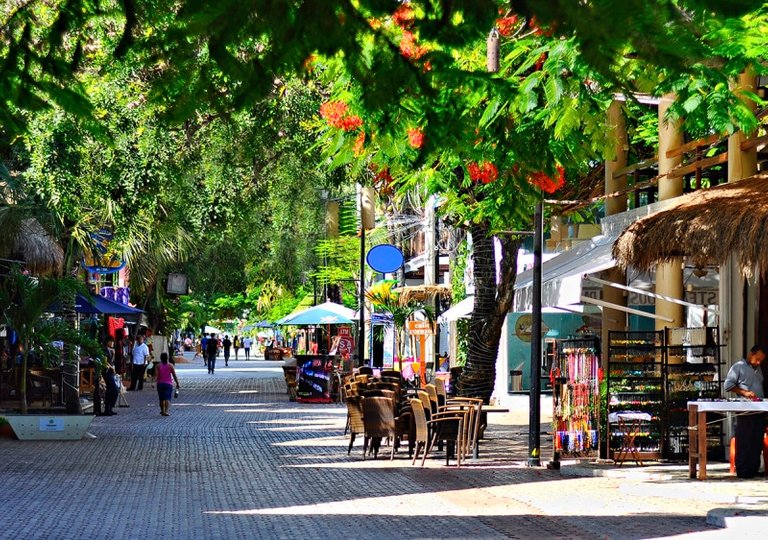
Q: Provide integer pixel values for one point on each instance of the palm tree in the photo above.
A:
(382, 296)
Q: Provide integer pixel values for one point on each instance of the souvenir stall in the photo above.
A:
(575, 378)
(315, 373)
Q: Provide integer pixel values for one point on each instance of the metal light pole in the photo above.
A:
(361, 321)
(534, 438)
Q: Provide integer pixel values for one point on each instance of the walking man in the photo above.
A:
(745, 379)
(139, 359)
(227, 343)
(211, 350)
(247, 347)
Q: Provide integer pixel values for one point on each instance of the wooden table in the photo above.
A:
(697, 428)
(630, 423)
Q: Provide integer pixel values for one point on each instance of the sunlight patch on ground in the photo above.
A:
(316, 441)
(438, 504)
(290, 421)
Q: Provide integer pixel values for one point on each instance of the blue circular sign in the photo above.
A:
(385, 258)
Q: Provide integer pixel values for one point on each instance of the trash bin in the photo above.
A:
(515, 380)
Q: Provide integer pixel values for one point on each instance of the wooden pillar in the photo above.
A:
(738, 299)
(614, 319)
(669, 275)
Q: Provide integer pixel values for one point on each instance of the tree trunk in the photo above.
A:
(492, 303)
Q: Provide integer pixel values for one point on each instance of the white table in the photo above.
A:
(697, 428)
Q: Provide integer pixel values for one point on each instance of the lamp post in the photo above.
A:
(534, 436)
(361, 310)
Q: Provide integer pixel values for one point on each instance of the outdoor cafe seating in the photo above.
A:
(425, 418)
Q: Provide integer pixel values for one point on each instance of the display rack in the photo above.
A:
(574, 374)
(693, 370)
(635, 383)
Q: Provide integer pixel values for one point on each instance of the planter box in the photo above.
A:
(33, 427)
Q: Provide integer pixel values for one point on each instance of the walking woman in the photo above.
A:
(165, 375)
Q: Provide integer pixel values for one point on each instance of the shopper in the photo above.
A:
(227, 343)
(211, 349)
(745, 379)
(108, 373)
(166, 376)
(247, 347)
(139, 359)
(236, 344)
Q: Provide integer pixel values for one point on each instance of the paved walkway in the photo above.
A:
(236, 460)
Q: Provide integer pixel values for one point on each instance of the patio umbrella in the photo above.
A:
(313, 316)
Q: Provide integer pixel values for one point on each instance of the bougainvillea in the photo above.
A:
(546, 183)
(485, 172)
(415, 138)
(409, 48)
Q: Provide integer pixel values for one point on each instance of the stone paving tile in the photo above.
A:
(237, 460)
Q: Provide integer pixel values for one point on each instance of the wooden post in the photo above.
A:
(614, 205)
(669, 275)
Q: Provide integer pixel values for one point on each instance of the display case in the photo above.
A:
(635, 383)
(692, 371)
(575, 378)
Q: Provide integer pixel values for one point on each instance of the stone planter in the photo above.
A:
(33, 427)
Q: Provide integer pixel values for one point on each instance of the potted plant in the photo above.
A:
(23, 302)
(382, 296)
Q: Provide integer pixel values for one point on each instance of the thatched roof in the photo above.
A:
(705, 227)
(423, 292)
(33, 245)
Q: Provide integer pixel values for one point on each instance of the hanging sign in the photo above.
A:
(100, 257)
(385, 258)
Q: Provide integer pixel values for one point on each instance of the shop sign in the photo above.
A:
(420, 328)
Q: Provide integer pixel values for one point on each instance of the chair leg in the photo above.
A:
(346, 427)
(428, 450)
(351, 442)
(416, 452)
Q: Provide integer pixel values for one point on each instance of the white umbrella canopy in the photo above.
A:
(211, 330)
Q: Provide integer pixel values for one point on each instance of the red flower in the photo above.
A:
(403, 16)
(359, 147)
(409, 48)
(485, 172)
(351, 122)
(333, 112)
(506, 25)
(546, 183)
(415, 138)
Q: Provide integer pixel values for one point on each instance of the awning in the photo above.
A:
(458, 311)
(561, 276)
(705, 227)
(94, 304)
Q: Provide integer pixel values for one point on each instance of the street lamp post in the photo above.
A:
(534, 436)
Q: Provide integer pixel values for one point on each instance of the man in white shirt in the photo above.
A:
(139, 359)
(247, 346)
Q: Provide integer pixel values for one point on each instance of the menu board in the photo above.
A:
(313, 378)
